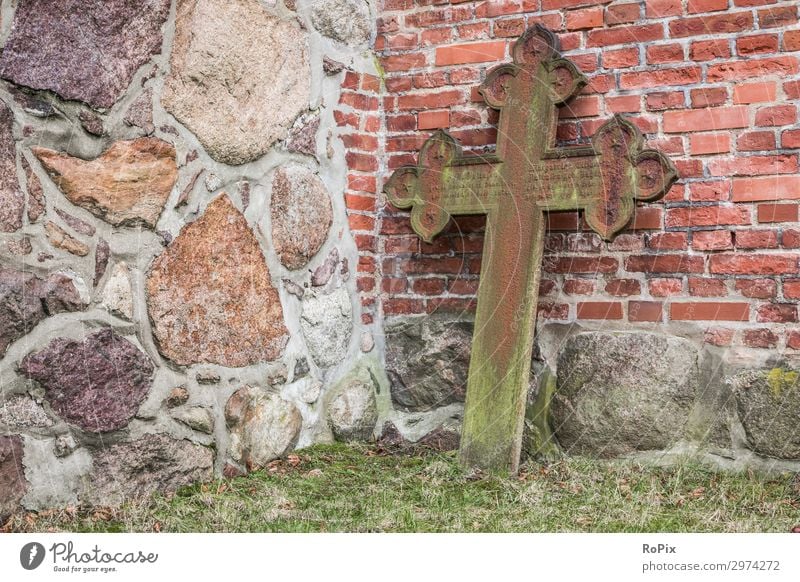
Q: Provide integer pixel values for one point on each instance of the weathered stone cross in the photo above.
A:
(514, 188)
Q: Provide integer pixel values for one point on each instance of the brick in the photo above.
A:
(755, 141)
(764, 91)
(760, 338)
(432, 286)
(402, 41)
(580, 264)
(753, 264)
(791, 288)
(397, 306)
(757, 44)
(776, 115)
(664, 53)
(416, 101)
(709, 311)
(624, 104)
(622, 13)
(588, 106)
(756, 239)
(667, 241)
(433, 119)
(664, 264)
(792, 89)
(625, 35)
(707, 216)
(361, 203)
(579, 286)
(711, 119)
(717, 24)
(660, 78)
(709, 143)
(405, 62)
(645, 311)
(791, 40)
(790, 138)
(707, 287)
(665, 287)
(700, 6)
(665, 100)
(551, 310)
(478, 52)
(780, 187)
(620, 58)
(775, 17)
(436, 36)
(712, 240)
(599, 310)
(623, 287)
(394, 285)
(708, 50)
(777, 213)
(717, 190)
(708, 96)
(753, 165)
(757, 288)
(470, 287)
(784, 66)
(776, 313)
(793, 340)
(790, 238)
(662, 8)
(718, 336)
(585, 19)
(508, 27)
(361, 162)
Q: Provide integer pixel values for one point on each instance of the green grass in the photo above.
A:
(359, 488)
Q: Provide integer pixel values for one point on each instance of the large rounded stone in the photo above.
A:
(301, 215)
(768, 403)
(347, 21)
(154, 463)
(427, 360)
(352, 411)
(97, 384)
(26, 299)
(210, 297)
(239, 76)
(87, 50)
(127, 185)
(327, 324)
(621, 392)
(12, 475)
(263, 426)
(12, 201)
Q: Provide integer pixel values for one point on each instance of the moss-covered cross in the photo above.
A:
(528, 176)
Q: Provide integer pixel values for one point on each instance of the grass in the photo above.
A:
(367, 489)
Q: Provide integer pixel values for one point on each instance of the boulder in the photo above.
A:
(352, 411)
(622, 392)
(327, 324)
(346, 21)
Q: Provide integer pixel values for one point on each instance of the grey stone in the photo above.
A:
(303, 136)
(331, 67)
(352, 411)
(12, 201)
(154, 463)
(76, 223)
(768, 405)
(427, 360)
(622, 392)
(26, 299)
(347, 21)
(91, 123)
(22, 412)
(105, 399)
(301, 214)
(195, 417)
(87, 50)
(367, 342)
(178, 396)
(263, 426)
(64, 445)
(101, 255)
(36, 203)
(118, 293)
(327, 324)
(239, 76)
(13, 484)
(140, 112)
(323, 273)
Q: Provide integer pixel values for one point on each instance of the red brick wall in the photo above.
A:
(713, 83)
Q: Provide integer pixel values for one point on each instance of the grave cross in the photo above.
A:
(528, 176)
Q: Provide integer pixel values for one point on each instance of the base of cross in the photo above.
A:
(528, 176)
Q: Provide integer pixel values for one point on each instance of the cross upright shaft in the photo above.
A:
(514, 188)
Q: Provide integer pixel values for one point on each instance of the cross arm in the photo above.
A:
(444, 183)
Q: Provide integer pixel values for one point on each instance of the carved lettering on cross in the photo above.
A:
(526, 177)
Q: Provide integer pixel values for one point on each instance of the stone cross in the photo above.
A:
(526, 177)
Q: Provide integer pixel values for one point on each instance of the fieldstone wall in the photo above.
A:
(177, 272)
